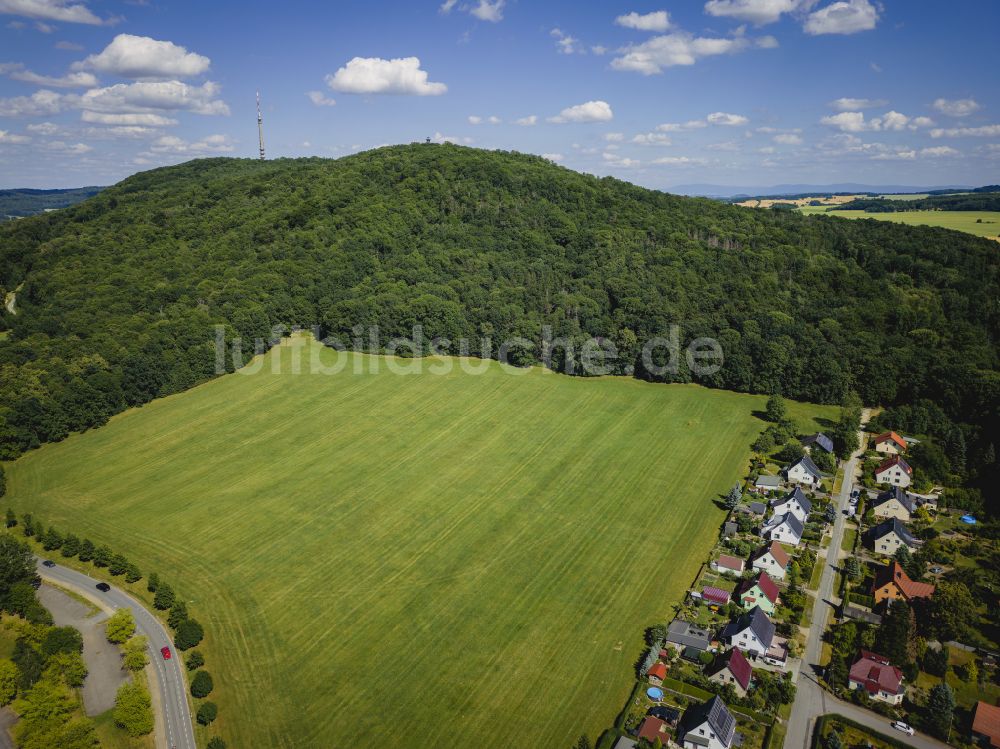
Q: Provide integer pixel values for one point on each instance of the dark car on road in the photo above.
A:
(103, 587)
(48, 563)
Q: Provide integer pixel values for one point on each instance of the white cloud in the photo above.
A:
(758, 12)
(677, 161)
(44, 128)
(614, 137)
(939, 151)
(842, 17)
(128, 119)
(475, 119)
(767, 149)
(847, 104)
(132, 56)
(557, 157)
(616, 160)
(210, 144)
(488, 11)
(848, 122)
(531, 119)
(144, 96)
(724, 118)
(599, 49)
(320, 99)
(71, 80)
(374, 75)
(676, 127)
(988, 131)
(900, 155)
(891, 121)
(566, 44)
(72, 149)
(652, 139)
(72, 46)
(788, 139)
(51, 10)
(590, 111)
(766, 42)
(446, 6)
(439, 138)
(39, 104)
(658, 20)
(7, 138)
(956, 107)
(729, 145)
(921, 122)
(668, 50)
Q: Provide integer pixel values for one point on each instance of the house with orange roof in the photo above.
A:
(656, 674)
(773, 560)
(893, 584)
(986, 726)
(889, 443)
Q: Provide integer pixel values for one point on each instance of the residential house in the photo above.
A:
(732, 668)
(894, 503)
(894, 471)
(888, 536)
(794, 502)
(861, 615)
(819, 440)
(892, 583)
(986, 725)
(707, 726)
(804, 471)
(653, 729)
(876, 675)
(771, 559)
(752, 632)
(656, 674)
(730, 564)
(760, 591)
(758, 508)
(765, 483)
(784, 528)
(624, 742)
(681, 635)
(889, 443)
(715, 595)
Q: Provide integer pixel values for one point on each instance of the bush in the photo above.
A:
(207, 713)
(132, 573)
(216, 743)
(178, 613)
(195, 660)
(164, 597)
(189, 633)
(120, 626)
(133, 710)
(201, 684)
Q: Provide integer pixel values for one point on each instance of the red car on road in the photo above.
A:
(165, 652)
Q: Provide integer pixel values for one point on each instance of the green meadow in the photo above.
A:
(420, 560)
(979, 223)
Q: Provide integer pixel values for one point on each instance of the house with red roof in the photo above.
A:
(986, 725)
(889, 443)
(759, 591)
(771, 559)
(653, 728)
(876, 675)
(892, 584)
(726, 563)
(733, 668)
(656, 674)
(895, 471)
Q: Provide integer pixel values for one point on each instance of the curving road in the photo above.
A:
(179, 730)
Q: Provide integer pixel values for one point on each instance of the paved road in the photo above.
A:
(172, 686)
(811, 700)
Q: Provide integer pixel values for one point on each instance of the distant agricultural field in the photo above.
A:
(424, 560)
(980, 223)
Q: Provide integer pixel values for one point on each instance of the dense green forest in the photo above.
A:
(120, 293)
(27, 202)
(973, 201)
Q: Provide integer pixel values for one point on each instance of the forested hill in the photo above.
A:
(121, 291)
(17, 203)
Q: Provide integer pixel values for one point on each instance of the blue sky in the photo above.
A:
(732, 92)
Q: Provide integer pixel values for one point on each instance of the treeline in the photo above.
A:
(976, 201)
(17, 203)
(121, 292)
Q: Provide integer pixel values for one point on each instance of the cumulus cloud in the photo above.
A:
(132, 56)
(939, 151)
(903, 154)
(614, 137)
(668, 50)
(557, 157)
(757, 12)
(173, 144)
(652, 139)
(788, 139)
(531, 119)
(127, 119)
(658, 20)
(677, 161)
(590, 111)
(475, 119)
(676, 127)
(842, 17)
(987, 131)
(320, 99)
(727, 119)
(52, 10)
(617, 160)
(729, 145)
(72, 46)
(847, 104)
(39, 104)
(488, 11)
(566, 44)
(855, 122)
(70, 149)
(956, 107)
(440, 138)
(71, 80)
(146, 96)
(374, 75)
(44, 128)
(8, 138)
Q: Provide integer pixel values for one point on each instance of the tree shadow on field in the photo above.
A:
(761, 415)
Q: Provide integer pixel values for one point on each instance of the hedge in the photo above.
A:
(689, 689)
(861, 599)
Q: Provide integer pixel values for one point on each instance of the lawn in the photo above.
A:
(411, 560)
(965, 221)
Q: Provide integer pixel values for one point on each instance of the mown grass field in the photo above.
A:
(431, 560)
(965, 221)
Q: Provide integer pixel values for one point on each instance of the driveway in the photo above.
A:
(104, 663)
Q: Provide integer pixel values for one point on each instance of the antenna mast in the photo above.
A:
(260, 128)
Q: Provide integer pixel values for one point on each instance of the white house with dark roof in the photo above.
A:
(786, 529)
(804, 471)
(795, 502)
(888, 536)
(894, 503)
(709, 725)
(752, 632)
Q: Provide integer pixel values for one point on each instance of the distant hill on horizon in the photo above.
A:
(728, 191)
(19, 202)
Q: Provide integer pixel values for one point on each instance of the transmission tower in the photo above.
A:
(260, 128)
